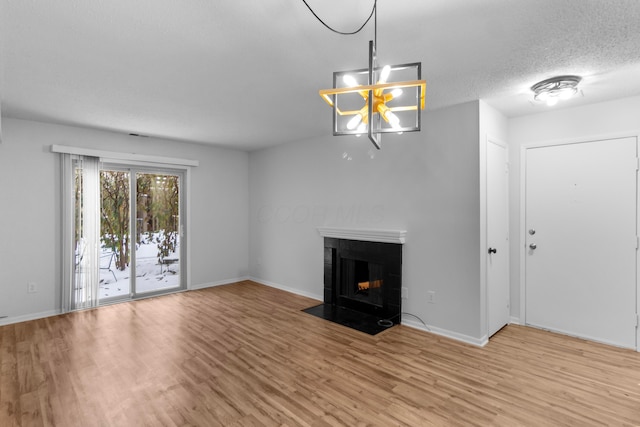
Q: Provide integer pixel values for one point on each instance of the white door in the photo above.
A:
(497, 237)
(581, 239)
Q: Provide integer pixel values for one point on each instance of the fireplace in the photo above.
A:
(362, 278)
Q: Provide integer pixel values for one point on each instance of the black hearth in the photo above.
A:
(362, 284)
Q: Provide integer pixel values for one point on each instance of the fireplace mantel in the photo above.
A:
(367, 235)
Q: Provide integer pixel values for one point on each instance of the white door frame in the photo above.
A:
(522, 232)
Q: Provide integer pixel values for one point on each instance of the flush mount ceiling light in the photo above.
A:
(556, 88)
(375, 100)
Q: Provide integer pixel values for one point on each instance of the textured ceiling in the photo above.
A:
(246, 74)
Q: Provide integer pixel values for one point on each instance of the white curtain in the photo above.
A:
(81, 231)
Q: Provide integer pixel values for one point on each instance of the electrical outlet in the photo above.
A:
(32, 287)
(431, 297)
(405, 293)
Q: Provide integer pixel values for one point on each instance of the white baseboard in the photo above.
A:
(25, 318)
(478, 342)
(34, 316)
(218, 283)
(320, 298)
(514, 321)
(582, 337)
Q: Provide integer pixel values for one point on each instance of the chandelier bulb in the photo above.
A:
(354, 122)
(396, 92)
(349, 80)
(393, 120)
(384, 75)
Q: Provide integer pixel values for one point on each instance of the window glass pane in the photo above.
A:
(157, 232)
(115, 236)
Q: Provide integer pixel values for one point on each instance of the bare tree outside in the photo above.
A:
(158, 211)
(114, 222)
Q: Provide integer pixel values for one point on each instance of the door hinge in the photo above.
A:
(637, 242)
(637, 319)
(637, 163)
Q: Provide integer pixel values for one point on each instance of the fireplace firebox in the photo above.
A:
(364, 276)
(362, 281)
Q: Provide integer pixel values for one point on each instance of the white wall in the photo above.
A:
(595, 121)
(30, 214)
(426, 183)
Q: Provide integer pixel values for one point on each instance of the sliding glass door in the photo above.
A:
(115, 235)
(123, 231)
(140, 232)
(157, 225)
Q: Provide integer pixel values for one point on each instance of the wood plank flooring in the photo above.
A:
(245, 355)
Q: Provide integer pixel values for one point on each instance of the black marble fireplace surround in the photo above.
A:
(362, 284)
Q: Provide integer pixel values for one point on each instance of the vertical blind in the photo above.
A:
(81, 231)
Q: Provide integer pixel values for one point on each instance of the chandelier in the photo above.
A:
(376, 100)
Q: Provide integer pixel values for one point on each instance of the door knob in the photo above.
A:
(533, 246)
(492, 250)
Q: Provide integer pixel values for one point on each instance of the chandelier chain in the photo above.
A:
(344, 33)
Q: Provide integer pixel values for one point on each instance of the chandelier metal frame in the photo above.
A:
(378, 114)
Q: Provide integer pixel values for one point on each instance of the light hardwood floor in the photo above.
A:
(245, 355)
